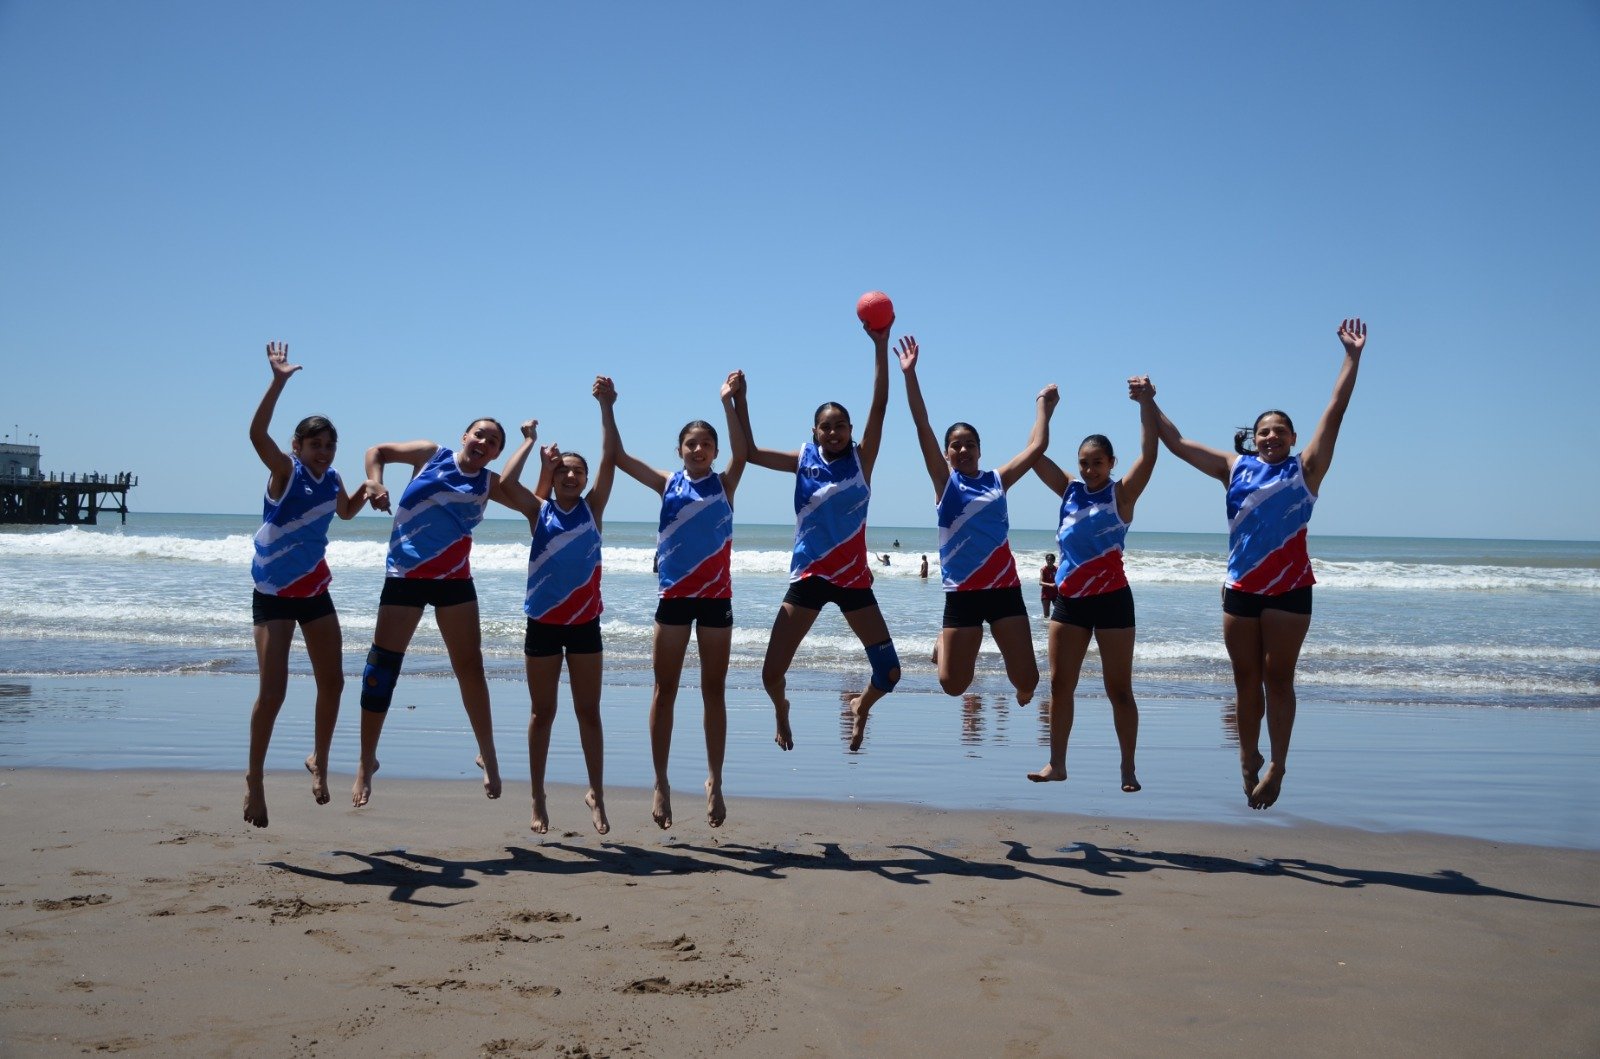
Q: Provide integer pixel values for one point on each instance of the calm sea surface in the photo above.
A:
(1448, 650)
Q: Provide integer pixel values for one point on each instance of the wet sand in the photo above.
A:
(140, 914)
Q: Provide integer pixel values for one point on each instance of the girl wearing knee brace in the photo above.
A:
(429, 565)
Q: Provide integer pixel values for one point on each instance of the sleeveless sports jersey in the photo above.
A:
(830, 508)
(564, 566)
(694, 545)
(973, 524)
(432, 537)
(1268, 508)
(291, 545)
(1090, 536)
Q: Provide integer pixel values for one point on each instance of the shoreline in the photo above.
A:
(141, 914)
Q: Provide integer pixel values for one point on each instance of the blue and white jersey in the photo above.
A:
(292, 543)
(830, 507)
(1090, 537)
(433, 523)
(1269, 507)
(973, 525)
(694, 545)
(564, 566)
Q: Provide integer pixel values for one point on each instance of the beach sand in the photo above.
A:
(141, 915)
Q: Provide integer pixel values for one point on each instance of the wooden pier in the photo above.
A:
(74, 499)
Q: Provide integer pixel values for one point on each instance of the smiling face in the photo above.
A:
(1274, 437)
(572, 478)
(831, 430)
(1094, 466)
(961, 450)
(482, 442)
(697, 447)
(316, 450)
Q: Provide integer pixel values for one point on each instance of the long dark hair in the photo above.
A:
(1247, 434)
(315, 425)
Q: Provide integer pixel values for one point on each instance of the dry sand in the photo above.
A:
(141, 915)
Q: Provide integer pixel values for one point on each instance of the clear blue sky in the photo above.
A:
(458, 210)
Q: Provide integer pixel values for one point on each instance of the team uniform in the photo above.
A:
(563, 596)
(290, 567)
(694, 553)
(1269, 506)
(1092, 589)
(829, 563)
(975, 560)
(430, 547)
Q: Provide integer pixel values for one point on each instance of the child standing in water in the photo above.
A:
(980, 574)
(291, 577)
(1266, 603)
(832, 483)
(428, 565)
(563, 603)
(694, 550)
(1092, 593)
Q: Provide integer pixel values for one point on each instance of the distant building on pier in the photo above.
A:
(31, 496)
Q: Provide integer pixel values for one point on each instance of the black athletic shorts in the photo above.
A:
(1250, 605)
(1109, 610)
(812, 593)
(968, 610)
(422, 593)
(265, 608)
(545, 640)
(709, 613)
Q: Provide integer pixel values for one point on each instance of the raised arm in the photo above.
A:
(771, 459)
(738, 432)
(600, 481)
(1038, 440)
(872, 435)
(1208, 461)
(1316, 457)
(1131, 485)
(279, 466)
(506, 487)
(632, 466)
(1051, 474)
(932, 455)
(413, 453)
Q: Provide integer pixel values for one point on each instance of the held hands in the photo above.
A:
(278, 360)
(1141, 389)
(550, 457)
(734, 386)
(1353, 333)
(604, 390)
(377, 495)
(530, 429)
(907, 351)
(1051, 397)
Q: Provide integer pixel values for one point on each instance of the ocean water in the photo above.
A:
(1477, 662)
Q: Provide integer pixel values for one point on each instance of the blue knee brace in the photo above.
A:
(378, 679)
(885, 665)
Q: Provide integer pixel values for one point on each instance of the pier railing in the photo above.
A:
(72, 498)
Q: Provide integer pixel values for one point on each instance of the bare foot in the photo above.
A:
(1130, 782)
(255, 801)
(319, 779)
(1250, 767)
(1266, 792)
(716, 812)
(1024, 697)
(491, 777)
(1049, 774)
(540, 824)
(858, 722)
(661, 806)
(784, 738)
(361, 791)
(597, 812)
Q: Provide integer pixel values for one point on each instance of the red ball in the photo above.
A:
(875, 310)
